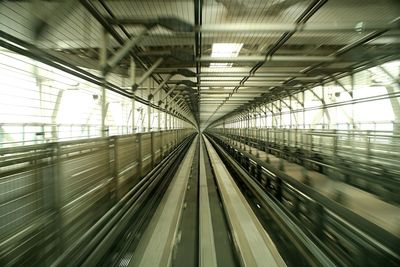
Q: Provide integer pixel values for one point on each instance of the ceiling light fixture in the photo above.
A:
(225, 50)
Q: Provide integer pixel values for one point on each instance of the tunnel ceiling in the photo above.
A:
(225, 54)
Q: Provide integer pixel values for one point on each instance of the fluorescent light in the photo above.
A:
(225, 50)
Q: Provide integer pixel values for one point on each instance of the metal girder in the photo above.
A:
(177, 103)
(172, 89)
(359, 42)
(293, 27)
(56, 108)
(263, 111)
(317, 96)
(295, 98)
(394, 101)
(303, 18)
(173, 24)
(284, 102)
(147, 74)
(181, 106)
(184, 106)
(287, 80)
(183, 72)
(394, 79)
(123, 51)
(363, 67)
(85, 62)
(259, 112)
(168, 93)
(175, 96)
(185, 82)
(180, 100)
(236, 84)
(267, 58)
(278, 108)
(89, 6)
(162, 53)
(270, 110)
(159, 87)
(337, 82)
(99, 17)
(258, 74)
(31, 51)
(324, 110)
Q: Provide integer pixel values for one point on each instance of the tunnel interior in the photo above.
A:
(200, 133)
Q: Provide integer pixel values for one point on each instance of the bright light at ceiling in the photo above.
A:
(225, 50)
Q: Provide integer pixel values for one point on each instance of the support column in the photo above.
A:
(159, 120)
(166, 121)
(170, 121)
(173, 108)
(103, 61)
(159, 113)
(132, 82)
(149, 107)
(54, 130)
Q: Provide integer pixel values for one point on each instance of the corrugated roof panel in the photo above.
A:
(325, 38)
(182, 9)
(256, 11)
(341, 11)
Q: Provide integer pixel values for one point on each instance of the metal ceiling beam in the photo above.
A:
(168, 93)
(123, 51)
(109, 28)
(103, 22)
(198, 22)
(266, 58)
(175, 96)
(85, 62)
(245, 70)
(390, 75)
(258, 74)
(31, 51)
(260, 79)
(176, 24)
(250, 84)
(337, 82)
(160, 86)
(271, 98)
(183, 72)
(364, 66)
(288, 27)
(227, 93)
(147, 74)
(303, 18)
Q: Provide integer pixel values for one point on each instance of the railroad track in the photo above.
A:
(213, 208)
(322, 229)
(246, 241)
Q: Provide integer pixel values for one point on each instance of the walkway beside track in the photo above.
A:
(156, 245)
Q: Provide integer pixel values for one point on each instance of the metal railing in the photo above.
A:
(51, 194)
(367, 159)
(21, 134)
